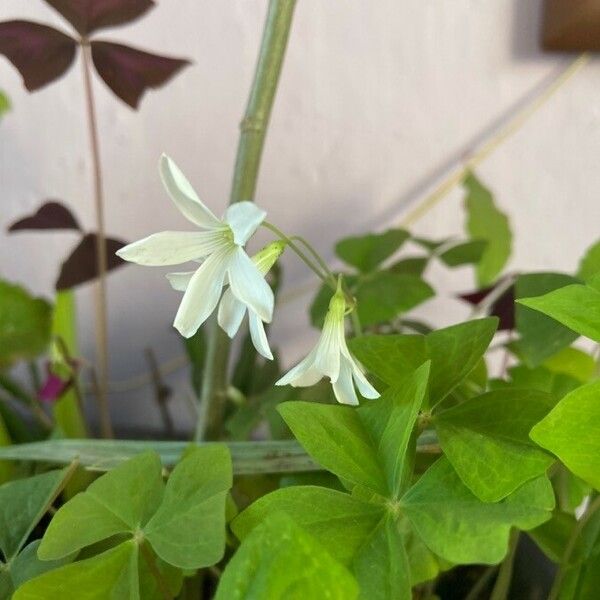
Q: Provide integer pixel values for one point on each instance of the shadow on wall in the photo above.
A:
(527, 29)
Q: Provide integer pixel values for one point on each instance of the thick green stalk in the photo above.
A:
(253, 130)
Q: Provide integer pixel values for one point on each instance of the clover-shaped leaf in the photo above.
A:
(40, 53)
(23, 502)
(180, 524)
(379, 517)
(50, 215)
(279, 561)
(88, 15)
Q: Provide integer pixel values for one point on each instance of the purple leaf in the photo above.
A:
(129, 72)
(53, 388)
(51, 215)
(503, 307)
(88, 15)
(40, 53)
(82, 266)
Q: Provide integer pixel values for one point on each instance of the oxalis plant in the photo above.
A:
(394, 461)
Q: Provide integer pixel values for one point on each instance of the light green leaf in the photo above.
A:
(411, 265)
(381, 565)
(486, 222)
(487, 440)
(571, 431)
(540, 336)
(367, 252)
(112, 574)
(572, 362)
(280, 561)
(383, 296)
(23, 503)
(590, 263)
(390, 421)
(464, 253)
(339, 522)
(24, 324)
(188, 529)
(552, 537)
(336, 438)
(456, 525)
(120, 501)
(454, 352)
(576, 306)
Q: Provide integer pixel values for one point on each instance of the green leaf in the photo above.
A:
(112, 574)
(590, 263)
(367, 252)
(454, 352)
(119, 502)
(337, 439)
(384, 295)
(23, 503)
(540, 336)
(576, 306)
(572, 362)
(188, 529)
(390, 421)
(339, 522)
(278, 561)
(381, 565)
(464, 253)
(553, 536)
(412, 265)
(456, 525)
(571, 431)
(487, 440)
(6, 469)
(24, 324)
(486, 222)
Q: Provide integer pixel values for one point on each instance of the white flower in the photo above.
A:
(231, 310)
(331, 358)
(219, 245)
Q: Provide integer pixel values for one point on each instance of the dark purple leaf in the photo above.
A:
(82, 265)
(53, 388)
(503, 307)
(129, 72)
(88, 15)
(40, 53)
(51, 215)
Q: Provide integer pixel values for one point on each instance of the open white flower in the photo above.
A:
(332, 358)
(220, 245)
(231, 310)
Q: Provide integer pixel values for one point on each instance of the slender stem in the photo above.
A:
(253, 130)
(502, 585)
(290, 242)
(570, 548)
(481, 583)
(315, 255)
(101, 257)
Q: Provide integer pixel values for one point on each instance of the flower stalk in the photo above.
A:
(253, 130)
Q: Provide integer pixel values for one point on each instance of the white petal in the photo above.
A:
(304, 374)
(244, 218)
(249, 286)
(180, 281)
(202, 294)
(343, 388)
(172, 247)
(259, 336)
(231, 313)
(184, 196)
(328, 350)
(362, 383)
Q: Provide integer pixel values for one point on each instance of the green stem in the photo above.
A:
(502, 585)
(290, 242)
(571, 545)
(315, 255)
(252, 137)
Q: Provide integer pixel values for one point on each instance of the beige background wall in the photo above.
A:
(378, 101)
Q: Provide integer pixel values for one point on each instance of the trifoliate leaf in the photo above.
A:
(367, 252)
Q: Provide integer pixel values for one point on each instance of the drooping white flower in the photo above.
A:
(231, 310)
(219, 244)
(332, 358)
